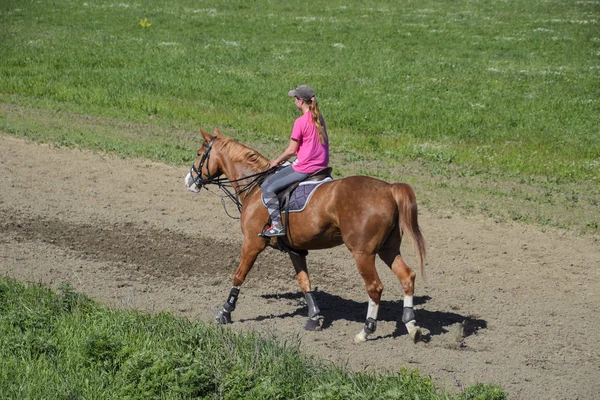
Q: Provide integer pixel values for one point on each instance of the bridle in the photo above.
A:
(199, 181)
(224, 183)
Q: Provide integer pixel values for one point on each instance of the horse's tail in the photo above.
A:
(407, 214)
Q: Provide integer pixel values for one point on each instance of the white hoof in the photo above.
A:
(413, 331)
(361, 337)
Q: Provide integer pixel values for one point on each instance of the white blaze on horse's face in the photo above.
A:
(190, 185)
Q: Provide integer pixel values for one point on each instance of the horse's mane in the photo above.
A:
(237, 152)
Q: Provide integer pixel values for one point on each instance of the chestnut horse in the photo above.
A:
(366, 214)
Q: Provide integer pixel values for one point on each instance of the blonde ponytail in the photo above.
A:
(318, 119)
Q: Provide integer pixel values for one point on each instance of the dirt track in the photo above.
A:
(502, 304)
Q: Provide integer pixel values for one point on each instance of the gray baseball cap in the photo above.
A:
(304, 92)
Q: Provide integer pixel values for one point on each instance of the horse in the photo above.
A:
(368, 215)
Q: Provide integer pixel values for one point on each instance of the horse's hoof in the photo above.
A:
(313, 324)
(413, 331)
(223, 317)
(415, 334)
(361, 337)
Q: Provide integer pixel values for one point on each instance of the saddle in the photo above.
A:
(285, 195)
(285, 200)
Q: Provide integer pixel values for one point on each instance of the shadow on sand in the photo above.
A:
(335, 308)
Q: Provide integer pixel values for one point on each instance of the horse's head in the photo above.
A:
(207, 166)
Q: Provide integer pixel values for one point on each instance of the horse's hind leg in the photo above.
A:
(314, 314)
(251, 248)
(366, 266)
(390, 254)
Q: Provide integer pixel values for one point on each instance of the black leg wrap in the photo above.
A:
(408, 314)
(370, 325)
(229, 305)
(313, 309)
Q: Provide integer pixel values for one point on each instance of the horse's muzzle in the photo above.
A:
(190, 183)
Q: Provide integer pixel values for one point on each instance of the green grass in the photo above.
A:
(494, 104)
(510, 86)
(63, 345)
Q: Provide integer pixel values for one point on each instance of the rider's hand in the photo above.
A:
(274, 164)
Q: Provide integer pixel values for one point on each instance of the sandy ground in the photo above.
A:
(502, 304)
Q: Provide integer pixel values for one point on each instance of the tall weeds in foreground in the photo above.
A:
(67, 346)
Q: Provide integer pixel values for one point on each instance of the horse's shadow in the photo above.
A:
(334, 308)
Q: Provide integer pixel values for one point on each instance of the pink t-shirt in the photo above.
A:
(312, 155)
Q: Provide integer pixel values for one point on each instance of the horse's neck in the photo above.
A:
(236, 172)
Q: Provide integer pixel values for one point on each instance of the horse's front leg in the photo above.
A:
(251, 248)
(314, 321)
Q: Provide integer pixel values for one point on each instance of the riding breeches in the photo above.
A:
(275, 184)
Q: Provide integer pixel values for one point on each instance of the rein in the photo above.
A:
(226, 184)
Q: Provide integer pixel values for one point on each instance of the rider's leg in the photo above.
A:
(275, 184)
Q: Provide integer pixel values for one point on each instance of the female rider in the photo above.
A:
(309, 143)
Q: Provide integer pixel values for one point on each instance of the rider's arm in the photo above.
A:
(291, 150)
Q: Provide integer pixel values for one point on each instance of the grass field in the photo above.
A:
(463, 91)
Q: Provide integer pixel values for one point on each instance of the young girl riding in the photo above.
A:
(309, 143)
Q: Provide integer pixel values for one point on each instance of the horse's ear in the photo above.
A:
(217, 132)
(205, 135)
